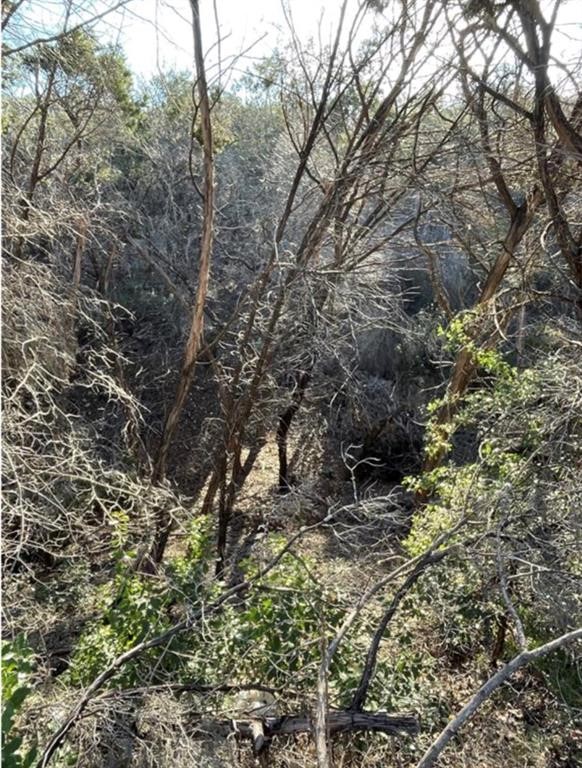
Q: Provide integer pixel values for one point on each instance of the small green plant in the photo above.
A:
(17, 667)
(136, 608)
(273, 636)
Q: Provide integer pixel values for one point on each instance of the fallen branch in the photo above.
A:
(261, 730)
(467, 712)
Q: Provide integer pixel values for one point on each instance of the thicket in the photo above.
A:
(291, 396)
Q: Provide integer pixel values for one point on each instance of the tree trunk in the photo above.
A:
(283, 427)
(193, 344)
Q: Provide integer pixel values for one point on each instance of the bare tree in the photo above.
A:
(345, 208)
(194, 340)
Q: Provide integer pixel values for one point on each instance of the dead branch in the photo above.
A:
(338, 721)
(486, 690)
(321, 721)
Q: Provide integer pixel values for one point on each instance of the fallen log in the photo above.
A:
(262, 730)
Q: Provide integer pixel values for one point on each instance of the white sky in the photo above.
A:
(157, 33)
(244, 22)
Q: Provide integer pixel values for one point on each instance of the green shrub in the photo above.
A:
(17, 667)
(275, 635)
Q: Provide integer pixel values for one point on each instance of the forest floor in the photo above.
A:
(363, 543)
(348, 557)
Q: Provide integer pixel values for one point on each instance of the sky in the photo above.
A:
(157, 34)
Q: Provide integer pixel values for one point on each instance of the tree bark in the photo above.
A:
(194, 342)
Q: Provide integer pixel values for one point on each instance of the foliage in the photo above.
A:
(519, 492)
(272, 639)
(17, 667)
(134, 609)
(86, 70)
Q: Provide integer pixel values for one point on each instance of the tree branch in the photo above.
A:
(467, 712)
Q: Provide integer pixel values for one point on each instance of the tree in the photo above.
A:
(485, 96)
(233, 316)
